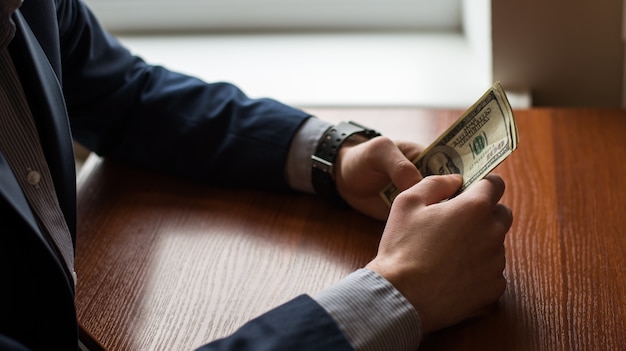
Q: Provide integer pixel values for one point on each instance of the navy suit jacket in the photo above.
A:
(80, 83)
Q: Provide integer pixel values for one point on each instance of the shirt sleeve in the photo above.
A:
(299, 157)
(371, 313)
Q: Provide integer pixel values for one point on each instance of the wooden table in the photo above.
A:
(169, 265)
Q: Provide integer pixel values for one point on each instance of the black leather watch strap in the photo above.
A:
(326, 154)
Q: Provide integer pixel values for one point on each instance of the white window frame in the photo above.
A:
(220, 15)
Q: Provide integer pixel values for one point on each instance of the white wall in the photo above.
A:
(566, 53)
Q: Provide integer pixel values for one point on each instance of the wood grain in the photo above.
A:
(169, 265)
(173, 269)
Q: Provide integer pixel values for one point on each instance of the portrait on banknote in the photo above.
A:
(442, 160)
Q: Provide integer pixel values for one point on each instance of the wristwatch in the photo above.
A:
(325, 156)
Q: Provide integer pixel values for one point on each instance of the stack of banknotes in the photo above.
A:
(473, 146)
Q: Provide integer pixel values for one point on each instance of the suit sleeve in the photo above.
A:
(300, 324)
(8, 344)
(121, 106)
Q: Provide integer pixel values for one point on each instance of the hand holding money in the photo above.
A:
(473, 146)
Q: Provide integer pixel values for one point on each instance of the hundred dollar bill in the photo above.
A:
(473, 146)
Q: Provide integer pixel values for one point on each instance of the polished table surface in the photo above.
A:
(165, 264)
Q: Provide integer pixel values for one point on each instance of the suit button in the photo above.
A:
(33, 178)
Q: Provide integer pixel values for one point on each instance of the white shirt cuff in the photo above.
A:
(302, 148)
(371, 313)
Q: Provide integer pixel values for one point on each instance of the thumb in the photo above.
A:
(436, 188)
(393, 160)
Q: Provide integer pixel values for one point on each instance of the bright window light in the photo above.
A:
(219, 15)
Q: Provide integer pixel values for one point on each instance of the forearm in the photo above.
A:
(120, 106)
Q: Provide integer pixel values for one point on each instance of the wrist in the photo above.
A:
(326, 155)
(409, 285)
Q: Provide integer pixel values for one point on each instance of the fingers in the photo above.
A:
(394, 160)
(433, 189)
(503, 218)
(487, 191)
(409, 149)
(483, 197)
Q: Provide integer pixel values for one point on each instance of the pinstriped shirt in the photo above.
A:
(19, 143)
(7, 27)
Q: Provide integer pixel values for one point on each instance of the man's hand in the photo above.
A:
(447, 258)
(363, 170)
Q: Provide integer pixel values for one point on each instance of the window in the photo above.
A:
(318, 52)
(211, 15)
